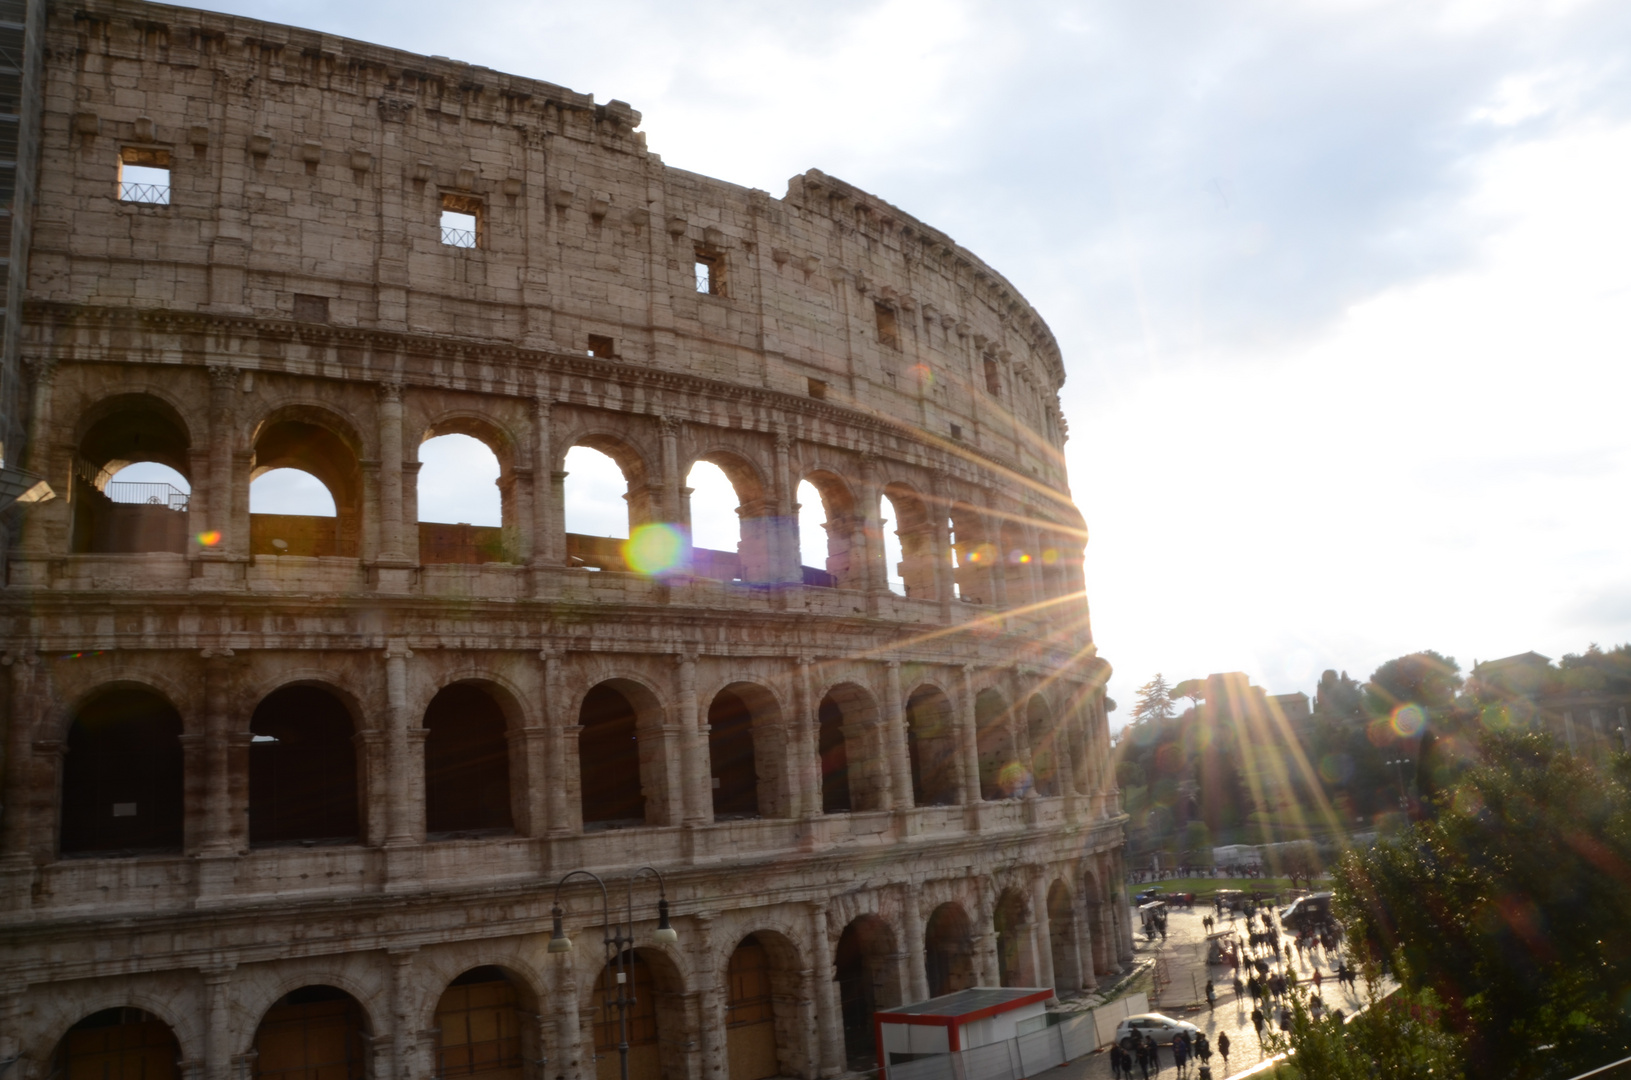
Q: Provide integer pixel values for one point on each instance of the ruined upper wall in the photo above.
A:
(308, 177)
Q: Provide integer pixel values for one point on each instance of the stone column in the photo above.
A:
(698, 792)
(871, 552)
(900, 762)
(390, 472)
(968, 739)
(671, 502)
(912, 926)
(1041, 930)
(217, 834)
(531, 746)
(940, 543)
(804, 743)
(788, 561)
(1083, 935)
(561, 975)
(223, 384)
(559, 816)
(404, 776)
(22, 720)
(402, 1009)
(999, 569)
(829, 1010)
(11, 1008)
(217, 1022)
(545, 520)
(710, 1001)
(193, 782)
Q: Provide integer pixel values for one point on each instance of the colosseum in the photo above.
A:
(292, 795)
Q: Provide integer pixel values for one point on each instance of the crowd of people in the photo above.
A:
(1144, 1053)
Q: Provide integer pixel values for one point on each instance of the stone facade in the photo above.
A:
(235, 771)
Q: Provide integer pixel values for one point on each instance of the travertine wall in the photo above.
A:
(311, 167)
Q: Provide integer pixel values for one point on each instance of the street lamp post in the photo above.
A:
(617, 944)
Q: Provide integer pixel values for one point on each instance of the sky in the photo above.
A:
(1343, 288)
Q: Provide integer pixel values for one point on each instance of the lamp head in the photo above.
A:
(665, 934)
(558, 941)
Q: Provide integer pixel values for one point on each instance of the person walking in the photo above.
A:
(1257, 1022)
(1223, 1048)
(1180, 1051)
(1115, 1062)
(1318, 978)
(1211, 995)
(1143, 1053)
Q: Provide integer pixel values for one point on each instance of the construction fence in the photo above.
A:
(1030, 1054)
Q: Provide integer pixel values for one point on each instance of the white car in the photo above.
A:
(1155, 1026)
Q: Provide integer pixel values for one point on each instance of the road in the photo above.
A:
(1186, 938)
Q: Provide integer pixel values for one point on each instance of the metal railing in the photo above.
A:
(465, 238)
(144, 193)
(145, 492)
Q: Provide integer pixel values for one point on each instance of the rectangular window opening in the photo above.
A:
(888, 328)
(461, 221)
(993, 380)
(710, 269)
(312, 309)
(600, 345)
(818, 389)
(957, 431)
(144, 176)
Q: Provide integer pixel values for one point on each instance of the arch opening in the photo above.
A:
(1067, 966)
(1016, 566)
(909, 547)
(314, 1033)
(948, 950)
(745, 769)
(868, 980)
(600, 503)
(656, 1019)
(481, 1029)
(303, 785)
(130, 491)
(122, 778)
(1047, 746)
(816, 537)
(731, 519)
(761, 1008)
(973, 555)
(467, 764)
(305, 492)
(609, 760)
(461, 519)
(931, 746)
(117, 1044)
(1000, 772)
(853, 772)
(830, 537)
(1011, 921)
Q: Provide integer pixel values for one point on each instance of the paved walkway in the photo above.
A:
(1184, 935)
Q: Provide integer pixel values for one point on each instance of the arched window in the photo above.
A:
(1011, 924)
(815, 539)
(835, 789)
(122, 777)
(609, 760)
(750, 1018)
(853, 771)
(305, 492)
(932, 748)
(948, 950)
(731, 756)
(1067, 968)
(130, 489)
(1047, 745)
(314, 1033)
(479, 1027)
(999, 765)
(117, 1044)
(598, 510)
(461, 511)
(644, 1027)
(894, 559)
(302, 769)
(909, 545)
(830, 536)
(868, 980)
(467, 763)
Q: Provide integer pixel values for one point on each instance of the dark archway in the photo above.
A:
(999, 766)
(609, 760)
(731, 757)
(1047, 745)
(314, 1033)
(1067, 966)
(761, 1007)
(931, 745)
(467, 763)
(302, 769)
(1009, 920)
(835, 790)
(122, 777)
(948, 950)
(303, 440)
(117, 1044)
(480, 1027)
(868, 980)
(656, 1019)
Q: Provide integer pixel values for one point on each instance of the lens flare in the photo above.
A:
(1408, 720)
(209, 539)
(1012, 778)
(654, 549)
(1018, 557)
(1050, 556)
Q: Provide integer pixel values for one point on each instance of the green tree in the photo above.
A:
(1510, 906)
(1154, 702)
(1426, 678)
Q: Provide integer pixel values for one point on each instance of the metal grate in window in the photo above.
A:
(465, 238)
(144, 193)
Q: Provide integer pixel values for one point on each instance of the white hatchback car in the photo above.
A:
(1155, 1026)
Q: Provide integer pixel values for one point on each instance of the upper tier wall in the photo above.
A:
(308, 175)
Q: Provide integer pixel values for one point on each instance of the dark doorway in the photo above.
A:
(314, 1033)
(609, 760)
(857, 996)
(948, 951)
(835, 796)
(117, 1044)
(302, 769)
(467, 763)
(122, 777)
(478, 1027)
(931, 744)
(730, 751)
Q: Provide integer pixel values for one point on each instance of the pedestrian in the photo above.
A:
(1211, 995)
(1203, 1049)
(1180, 1051)
(1115, 1062)
(1143, 1053)
(1223, 1048)
(1257, 1021)
(1318, 978)
(1240, 987)
(1285, 1019)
